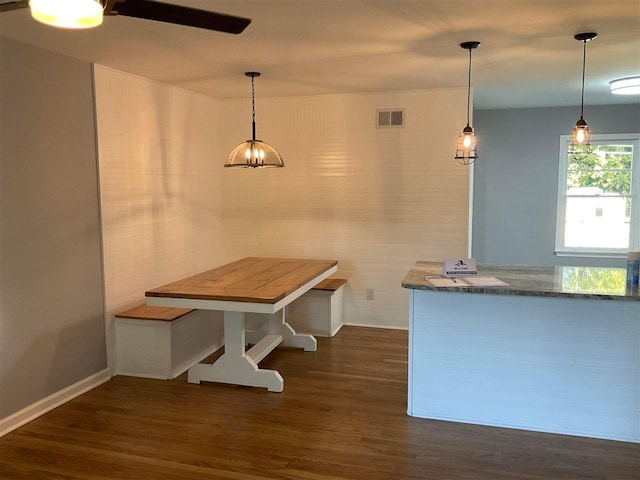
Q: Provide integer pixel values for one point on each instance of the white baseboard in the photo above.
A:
(336, 329)
(531, 428)
(47, 404)
(368, 325)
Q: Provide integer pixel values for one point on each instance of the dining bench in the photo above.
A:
(164, 342)
(320, 310)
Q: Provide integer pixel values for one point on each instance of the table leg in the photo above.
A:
(277, 324)
(234, 366)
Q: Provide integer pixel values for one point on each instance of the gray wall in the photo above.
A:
(516, 180)
(51, 293)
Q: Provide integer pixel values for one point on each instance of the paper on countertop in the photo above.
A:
(485, 282)
(441, 281)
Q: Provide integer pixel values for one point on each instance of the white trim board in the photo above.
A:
(54, 400)
(368, 325)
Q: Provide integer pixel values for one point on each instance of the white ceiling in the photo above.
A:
(528, 55)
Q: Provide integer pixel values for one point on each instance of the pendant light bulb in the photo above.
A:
(581, 134)
(254, 153)
(466, 151)
(467, 140)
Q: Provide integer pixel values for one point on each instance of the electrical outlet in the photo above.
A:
(369, 293)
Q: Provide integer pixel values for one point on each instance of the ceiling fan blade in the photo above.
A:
(192, 17)
(13, 5)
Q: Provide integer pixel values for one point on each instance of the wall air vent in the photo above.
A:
(390, 118)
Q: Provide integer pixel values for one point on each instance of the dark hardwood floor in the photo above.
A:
(341, 416)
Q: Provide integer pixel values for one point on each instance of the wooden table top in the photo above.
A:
(252, 279)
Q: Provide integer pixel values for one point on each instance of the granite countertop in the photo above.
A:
(568, 282)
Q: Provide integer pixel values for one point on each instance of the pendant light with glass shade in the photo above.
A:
(254, 153)
(466, 151)
(581, 135)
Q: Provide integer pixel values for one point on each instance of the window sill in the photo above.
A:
(590, 254)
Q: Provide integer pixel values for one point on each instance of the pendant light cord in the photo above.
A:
(469, 89)
(253, 108)
(584, 63)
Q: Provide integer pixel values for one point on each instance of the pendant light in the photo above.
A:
(67, 13)
(254, 153)
(466, 151)
(581, 134)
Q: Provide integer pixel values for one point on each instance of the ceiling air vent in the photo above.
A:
(390, 118)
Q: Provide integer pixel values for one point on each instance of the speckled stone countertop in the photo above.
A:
(568, 282)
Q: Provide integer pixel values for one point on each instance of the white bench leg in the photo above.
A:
(234, 366)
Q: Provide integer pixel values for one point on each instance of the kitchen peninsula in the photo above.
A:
(558, 350)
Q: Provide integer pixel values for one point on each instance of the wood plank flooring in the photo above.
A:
(341, 416)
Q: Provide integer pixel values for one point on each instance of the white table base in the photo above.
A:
(240, 367)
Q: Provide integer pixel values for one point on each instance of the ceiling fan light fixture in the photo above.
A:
(254, 153)
(466, 149)
(625, 86)
(67, 13)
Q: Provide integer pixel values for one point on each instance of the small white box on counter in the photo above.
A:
(454, 267)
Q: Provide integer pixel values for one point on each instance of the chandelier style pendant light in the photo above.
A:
(581, 134)
(254, 153)
(67, 13)
(466, 151)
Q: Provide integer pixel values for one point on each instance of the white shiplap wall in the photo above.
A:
(375, 199)
(160, 182)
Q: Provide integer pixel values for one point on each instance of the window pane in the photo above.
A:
(599, 182)
(601, 170)
(602, 157)
(598, 196)
(597, 222)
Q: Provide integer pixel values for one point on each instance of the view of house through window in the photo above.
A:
(597, 196)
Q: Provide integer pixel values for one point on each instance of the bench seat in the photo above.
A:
(163, 314)
(164, 342)
(330, 284)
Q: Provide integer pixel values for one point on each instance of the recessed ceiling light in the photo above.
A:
(626, 86)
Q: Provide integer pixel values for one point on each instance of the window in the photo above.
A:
(598, 207)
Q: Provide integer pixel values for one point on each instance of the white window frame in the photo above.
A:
(634, 227)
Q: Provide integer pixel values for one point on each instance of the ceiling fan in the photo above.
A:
(150, 10)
